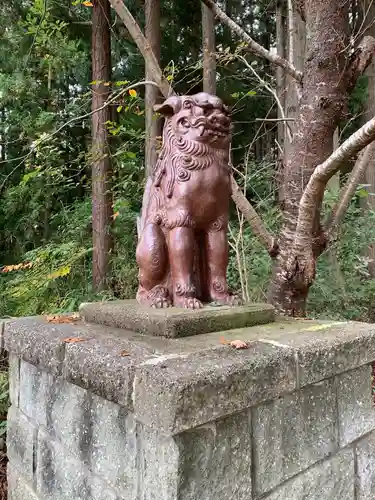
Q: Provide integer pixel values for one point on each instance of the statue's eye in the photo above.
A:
(185, 123)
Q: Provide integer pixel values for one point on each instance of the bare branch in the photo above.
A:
(291, 33)
(271, 91)
(253, 219)
(302, 260)
(47, 137)
(143, 45)
(350, 187)
(300, 8)
(360, 60)
(253, 46)
(275, 119)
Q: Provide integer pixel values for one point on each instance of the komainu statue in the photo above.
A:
(182, 250)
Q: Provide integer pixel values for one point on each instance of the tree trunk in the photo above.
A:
(153, 125)
(322, 103)
(369, 176)
(280, 75)
(209, 49)
(101, 162)
(295, 53)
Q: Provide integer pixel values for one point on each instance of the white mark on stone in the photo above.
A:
(274, 343)
(160, 359)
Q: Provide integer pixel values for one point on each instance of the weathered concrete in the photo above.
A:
(332, 479)
(355, 407)
(174, 322)
(121, 415)
(293, 432)
(365, 458)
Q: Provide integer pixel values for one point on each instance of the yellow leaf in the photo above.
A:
(63, 271)
(133, 93)
(60, 319)
(115, 215)
(74, 340)
(87, 4)
(323, 326)
(17, 267)
(107, 84)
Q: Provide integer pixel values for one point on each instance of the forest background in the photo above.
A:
(71, 180)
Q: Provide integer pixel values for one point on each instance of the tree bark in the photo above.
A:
(209, 49)
(101, 162)
(280, 74)
(329, 75)
(295, 43)
(369, 175)
(153, 125)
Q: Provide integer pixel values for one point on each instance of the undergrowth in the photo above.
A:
(56, 277)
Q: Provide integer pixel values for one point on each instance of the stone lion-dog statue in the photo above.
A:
(182, 250)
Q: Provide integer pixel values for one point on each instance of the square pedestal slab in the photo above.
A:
(173, 322)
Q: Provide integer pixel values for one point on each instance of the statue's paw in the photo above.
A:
(188, 303)
(160, 303)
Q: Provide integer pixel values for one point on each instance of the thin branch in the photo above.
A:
(275, 119)
(271, 91)
(349, 189)
(143, 45)
(252, 45)
(360, 60)
(75, 119)
(253, 219)
(291, 32)
(302, 259)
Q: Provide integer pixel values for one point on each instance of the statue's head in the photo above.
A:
(200, 118)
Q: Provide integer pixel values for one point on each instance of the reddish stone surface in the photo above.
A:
(182, 251)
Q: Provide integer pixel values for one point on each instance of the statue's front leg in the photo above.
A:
(152, 259)
(181, 255)
(217, 254)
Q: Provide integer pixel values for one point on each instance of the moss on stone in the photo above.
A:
(174, 322)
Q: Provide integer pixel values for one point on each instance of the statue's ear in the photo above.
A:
(170, 106)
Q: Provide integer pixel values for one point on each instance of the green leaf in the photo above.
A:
(235, 95)
(363, 193)
(63, 271)
(119, 108)
(251, 92)
(27, 177)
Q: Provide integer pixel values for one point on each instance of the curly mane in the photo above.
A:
(179, 156)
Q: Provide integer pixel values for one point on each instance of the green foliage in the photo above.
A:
(344, 288)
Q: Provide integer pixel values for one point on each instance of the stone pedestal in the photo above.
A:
(173, 322)
(100, 413)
